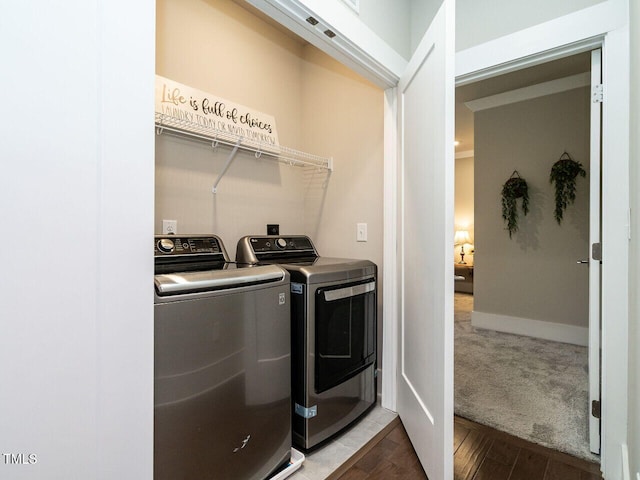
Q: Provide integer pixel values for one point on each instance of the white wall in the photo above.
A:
(390, 21)
(534, 275)
(634, 286)
(422, 14)
(401, 23)
(463, 212)
(478, 21)
(77, 304)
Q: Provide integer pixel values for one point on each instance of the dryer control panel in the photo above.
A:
(254, 249)
(276, 244)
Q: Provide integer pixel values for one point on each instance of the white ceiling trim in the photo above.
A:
(465, 154)
(528, 93)
(340, 34)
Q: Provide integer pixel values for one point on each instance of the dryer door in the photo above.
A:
(345, 332)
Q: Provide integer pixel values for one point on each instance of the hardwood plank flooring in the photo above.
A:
(480, 453)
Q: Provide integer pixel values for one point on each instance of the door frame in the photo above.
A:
(594, 267)
(604, 25)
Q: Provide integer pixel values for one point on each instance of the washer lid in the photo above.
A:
(210, 280)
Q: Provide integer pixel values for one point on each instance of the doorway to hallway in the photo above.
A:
(528, 283)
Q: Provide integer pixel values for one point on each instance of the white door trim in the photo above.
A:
(577, 32)
(353, 44)
(390, 266)
(565, 36)
(594, 263)
(615, 249)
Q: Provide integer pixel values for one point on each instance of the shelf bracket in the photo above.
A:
(227, 165)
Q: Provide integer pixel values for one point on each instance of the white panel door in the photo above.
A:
(425, 247)
(594, 263)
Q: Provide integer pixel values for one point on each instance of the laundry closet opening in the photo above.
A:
(320, 106)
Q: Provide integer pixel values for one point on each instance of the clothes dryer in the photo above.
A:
(333, 302)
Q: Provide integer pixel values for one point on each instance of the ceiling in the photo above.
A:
(464, 117)
(563, 67)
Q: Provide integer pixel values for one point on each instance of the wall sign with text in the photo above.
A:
(196, 110)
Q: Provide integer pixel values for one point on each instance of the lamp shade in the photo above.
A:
(461, 237)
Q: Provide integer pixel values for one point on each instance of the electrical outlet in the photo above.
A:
(169, 227)
(361, 232)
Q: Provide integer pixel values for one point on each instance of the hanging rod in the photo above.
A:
(184, 128)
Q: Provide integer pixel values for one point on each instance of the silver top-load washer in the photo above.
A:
(333, 331)
(222, 406)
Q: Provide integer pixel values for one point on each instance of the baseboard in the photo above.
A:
(558, 332)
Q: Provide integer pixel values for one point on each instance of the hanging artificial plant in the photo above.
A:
(563, 174)
(513, 189)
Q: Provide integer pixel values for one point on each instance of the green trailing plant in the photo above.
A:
(564, 173)
(513, 189)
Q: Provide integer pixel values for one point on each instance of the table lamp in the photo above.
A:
(461, 237)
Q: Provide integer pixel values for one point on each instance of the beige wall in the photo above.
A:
(534, 275)
(320, 107)
(463, 214)
(346, 113)
(218, 47)
(634, 285)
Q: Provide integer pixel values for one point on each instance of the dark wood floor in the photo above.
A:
(480, 453)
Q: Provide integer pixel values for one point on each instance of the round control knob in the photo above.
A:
(281, 243)
(166, 245)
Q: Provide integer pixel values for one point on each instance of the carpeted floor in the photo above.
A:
(531, 388)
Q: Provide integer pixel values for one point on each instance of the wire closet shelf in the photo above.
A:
(184, 128)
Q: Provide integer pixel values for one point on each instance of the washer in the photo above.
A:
(222, 403)
(333, 315)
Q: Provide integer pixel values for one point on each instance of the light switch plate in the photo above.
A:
(361, 232)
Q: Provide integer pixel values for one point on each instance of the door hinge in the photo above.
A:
(595, 408)
(596, 251)
(597, 93)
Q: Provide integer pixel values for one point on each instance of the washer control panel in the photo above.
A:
(174, 245)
